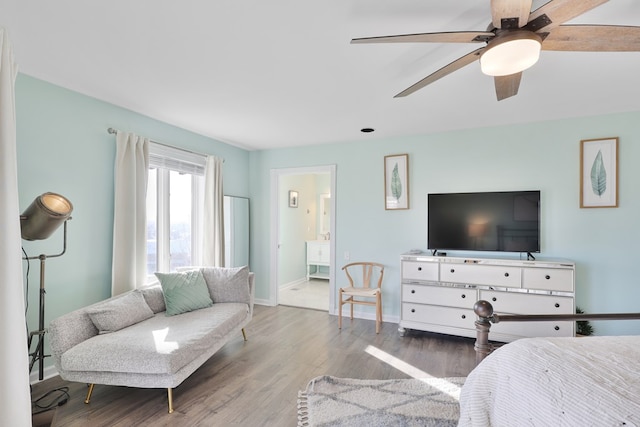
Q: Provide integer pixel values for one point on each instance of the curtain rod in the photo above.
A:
(114, 131)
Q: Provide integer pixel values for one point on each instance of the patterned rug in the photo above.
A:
(332, 402)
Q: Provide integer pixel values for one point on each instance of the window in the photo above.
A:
(174, 214)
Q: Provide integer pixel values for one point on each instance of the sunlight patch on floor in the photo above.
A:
(441, 384)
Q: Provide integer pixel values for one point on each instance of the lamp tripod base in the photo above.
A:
(38, 354)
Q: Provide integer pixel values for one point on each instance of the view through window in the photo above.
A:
(173, 214)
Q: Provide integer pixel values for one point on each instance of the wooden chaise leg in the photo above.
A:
(88, 398)
(170, 398)
(244, 334)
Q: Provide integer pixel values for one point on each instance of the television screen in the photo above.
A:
(494, 221)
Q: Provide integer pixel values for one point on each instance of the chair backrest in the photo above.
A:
(361, 274)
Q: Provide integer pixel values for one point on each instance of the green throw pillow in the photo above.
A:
(184, 292)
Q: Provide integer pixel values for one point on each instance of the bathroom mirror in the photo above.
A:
(325, 213)
(236, 231)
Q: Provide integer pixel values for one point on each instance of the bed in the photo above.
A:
(584, 381)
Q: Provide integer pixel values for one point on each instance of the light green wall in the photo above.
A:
(63, 147)
(539, 156)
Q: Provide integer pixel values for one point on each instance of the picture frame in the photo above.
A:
(293, 199)
(599, 173)
(396, 181)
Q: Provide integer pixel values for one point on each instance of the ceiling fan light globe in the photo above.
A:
(511, 54)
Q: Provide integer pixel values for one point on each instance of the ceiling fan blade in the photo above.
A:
(446, 37)
(507, 86)
(446, 70)
(593, 38)
(510, 13)
(557, 12)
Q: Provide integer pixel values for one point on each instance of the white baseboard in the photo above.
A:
(366, 316)
(260, 301)
(345, 313)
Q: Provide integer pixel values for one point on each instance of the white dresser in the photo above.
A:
(438, 294)
(318, 255)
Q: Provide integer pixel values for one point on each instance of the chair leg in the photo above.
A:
(88, 398)
(340, 303)
(378, 313)
(351, 308)
(244, 334)
(170, 398)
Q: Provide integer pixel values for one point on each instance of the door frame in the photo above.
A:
(275, 227)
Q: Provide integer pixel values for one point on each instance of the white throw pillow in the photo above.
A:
(227, 284)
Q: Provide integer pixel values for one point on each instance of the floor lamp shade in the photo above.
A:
(44, 215)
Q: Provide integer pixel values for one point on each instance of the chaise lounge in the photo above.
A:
(157, 336)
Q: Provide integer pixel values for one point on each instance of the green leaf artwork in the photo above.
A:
(396, 184)
(598, 175)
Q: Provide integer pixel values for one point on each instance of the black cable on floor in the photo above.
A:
(50, 400)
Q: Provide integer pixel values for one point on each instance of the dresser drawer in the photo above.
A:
(438, 295)
(517, 303)
(501, 276)
(435, 315)
(533, 329)
(419, 270)
(550, 279)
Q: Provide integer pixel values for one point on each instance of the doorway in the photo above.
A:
(303, 216)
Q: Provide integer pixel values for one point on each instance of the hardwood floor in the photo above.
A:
(255, 383)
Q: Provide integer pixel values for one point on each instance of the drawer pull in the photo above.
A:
(413, 310)
(557, 305)
(547, 277)
(464, 316)
(506, 274)
(413, 291)
(453, 270)
(494, 299)
(557, 328)
(463, 296)
(419, 268)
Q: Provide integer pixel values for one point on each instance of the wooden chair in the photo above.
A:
(360, 291)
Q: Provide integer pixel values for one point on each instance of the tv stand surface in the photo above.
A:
(438, 294)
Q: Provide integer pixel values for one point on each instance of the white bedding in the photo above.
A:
(589, 381)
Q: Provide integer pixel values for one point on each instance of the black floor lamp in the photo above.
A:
(43, 216)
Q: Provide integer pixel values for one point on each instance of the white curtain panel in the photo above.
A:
(15, 396)
(129, 270)
(213, 227)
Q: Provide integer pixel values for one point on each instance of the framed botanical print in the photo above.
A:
(599, 173)
(396, 181)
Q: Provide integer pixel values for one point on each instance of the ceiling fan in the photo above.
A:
(515, 36)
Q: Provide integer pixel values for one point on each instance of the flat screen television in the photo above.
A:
(507, 221)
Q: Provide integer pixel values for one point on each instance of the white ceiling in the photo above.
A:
(280, 73)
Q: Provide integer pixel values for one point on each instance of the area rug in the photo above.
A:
(345, 402)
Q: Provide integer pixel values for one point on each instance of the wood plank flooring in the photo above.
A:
(255, 383)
